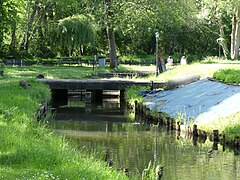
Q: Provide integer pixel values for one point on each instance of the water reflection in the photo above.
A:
(106, 129)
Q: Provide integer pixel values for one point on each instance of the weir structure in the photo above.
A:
(93, 87)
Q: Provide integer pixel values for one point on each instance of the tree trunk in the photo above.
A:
(112, 48)
(25, 41)
(12, 47)
(234, 22)
(110, 35)
(235, 36)
(161, 63)
(40, 29)
(222, 40)
(1, 27)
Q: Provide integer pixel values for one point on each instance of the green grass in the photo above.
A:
(204, 69)
(51, 71)
(228, 75)
(28, 150)
(137, 58)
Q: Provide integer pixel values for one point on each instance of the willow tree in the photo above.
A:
(74, 32)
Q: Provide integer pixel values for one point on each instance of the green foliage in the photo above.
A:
(133, 94)
(232, 127)
(73, 32)
(228, 75)
(26, 29)
(10, 11)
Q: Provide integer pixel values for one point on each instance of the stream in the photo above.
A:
(109, 129)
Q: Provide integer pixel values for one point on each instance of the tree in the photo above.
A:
(235, 35)
(124, 26)
(1, 25)
(74, 32)
(230, 10)
(41, 16)
(110, 34)
(10, 12)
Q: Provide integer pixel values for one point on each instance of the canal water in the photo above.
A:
(111, 131)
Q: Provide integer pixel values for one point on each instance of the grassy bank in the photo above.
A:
(28, 150)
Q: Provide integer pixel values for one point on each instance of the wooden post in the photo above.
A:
(223, 142)
(202, 136)
(160, 119)
(151, 85)
(215, 135)
(122, 97)
(171, 123)
(178, 126)
(195, 130)
(168, 123)
(194, 140)
(215, 145)
(136, 107)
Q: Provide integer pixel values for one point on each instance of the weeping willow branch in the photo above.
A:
(73, 32)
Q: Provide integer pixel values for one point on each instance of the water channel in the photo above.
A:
(109, 128)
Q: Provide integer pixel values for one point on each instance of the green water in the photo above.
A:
(105, 129)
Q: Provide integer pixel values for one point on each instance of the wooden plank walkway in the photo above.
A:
(84, 84)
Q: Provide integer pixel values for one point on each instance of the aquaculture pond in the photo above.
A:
(108, 129)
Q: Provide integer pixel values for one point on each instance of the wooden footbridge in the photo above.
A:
(92, 87)
(92, 84)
